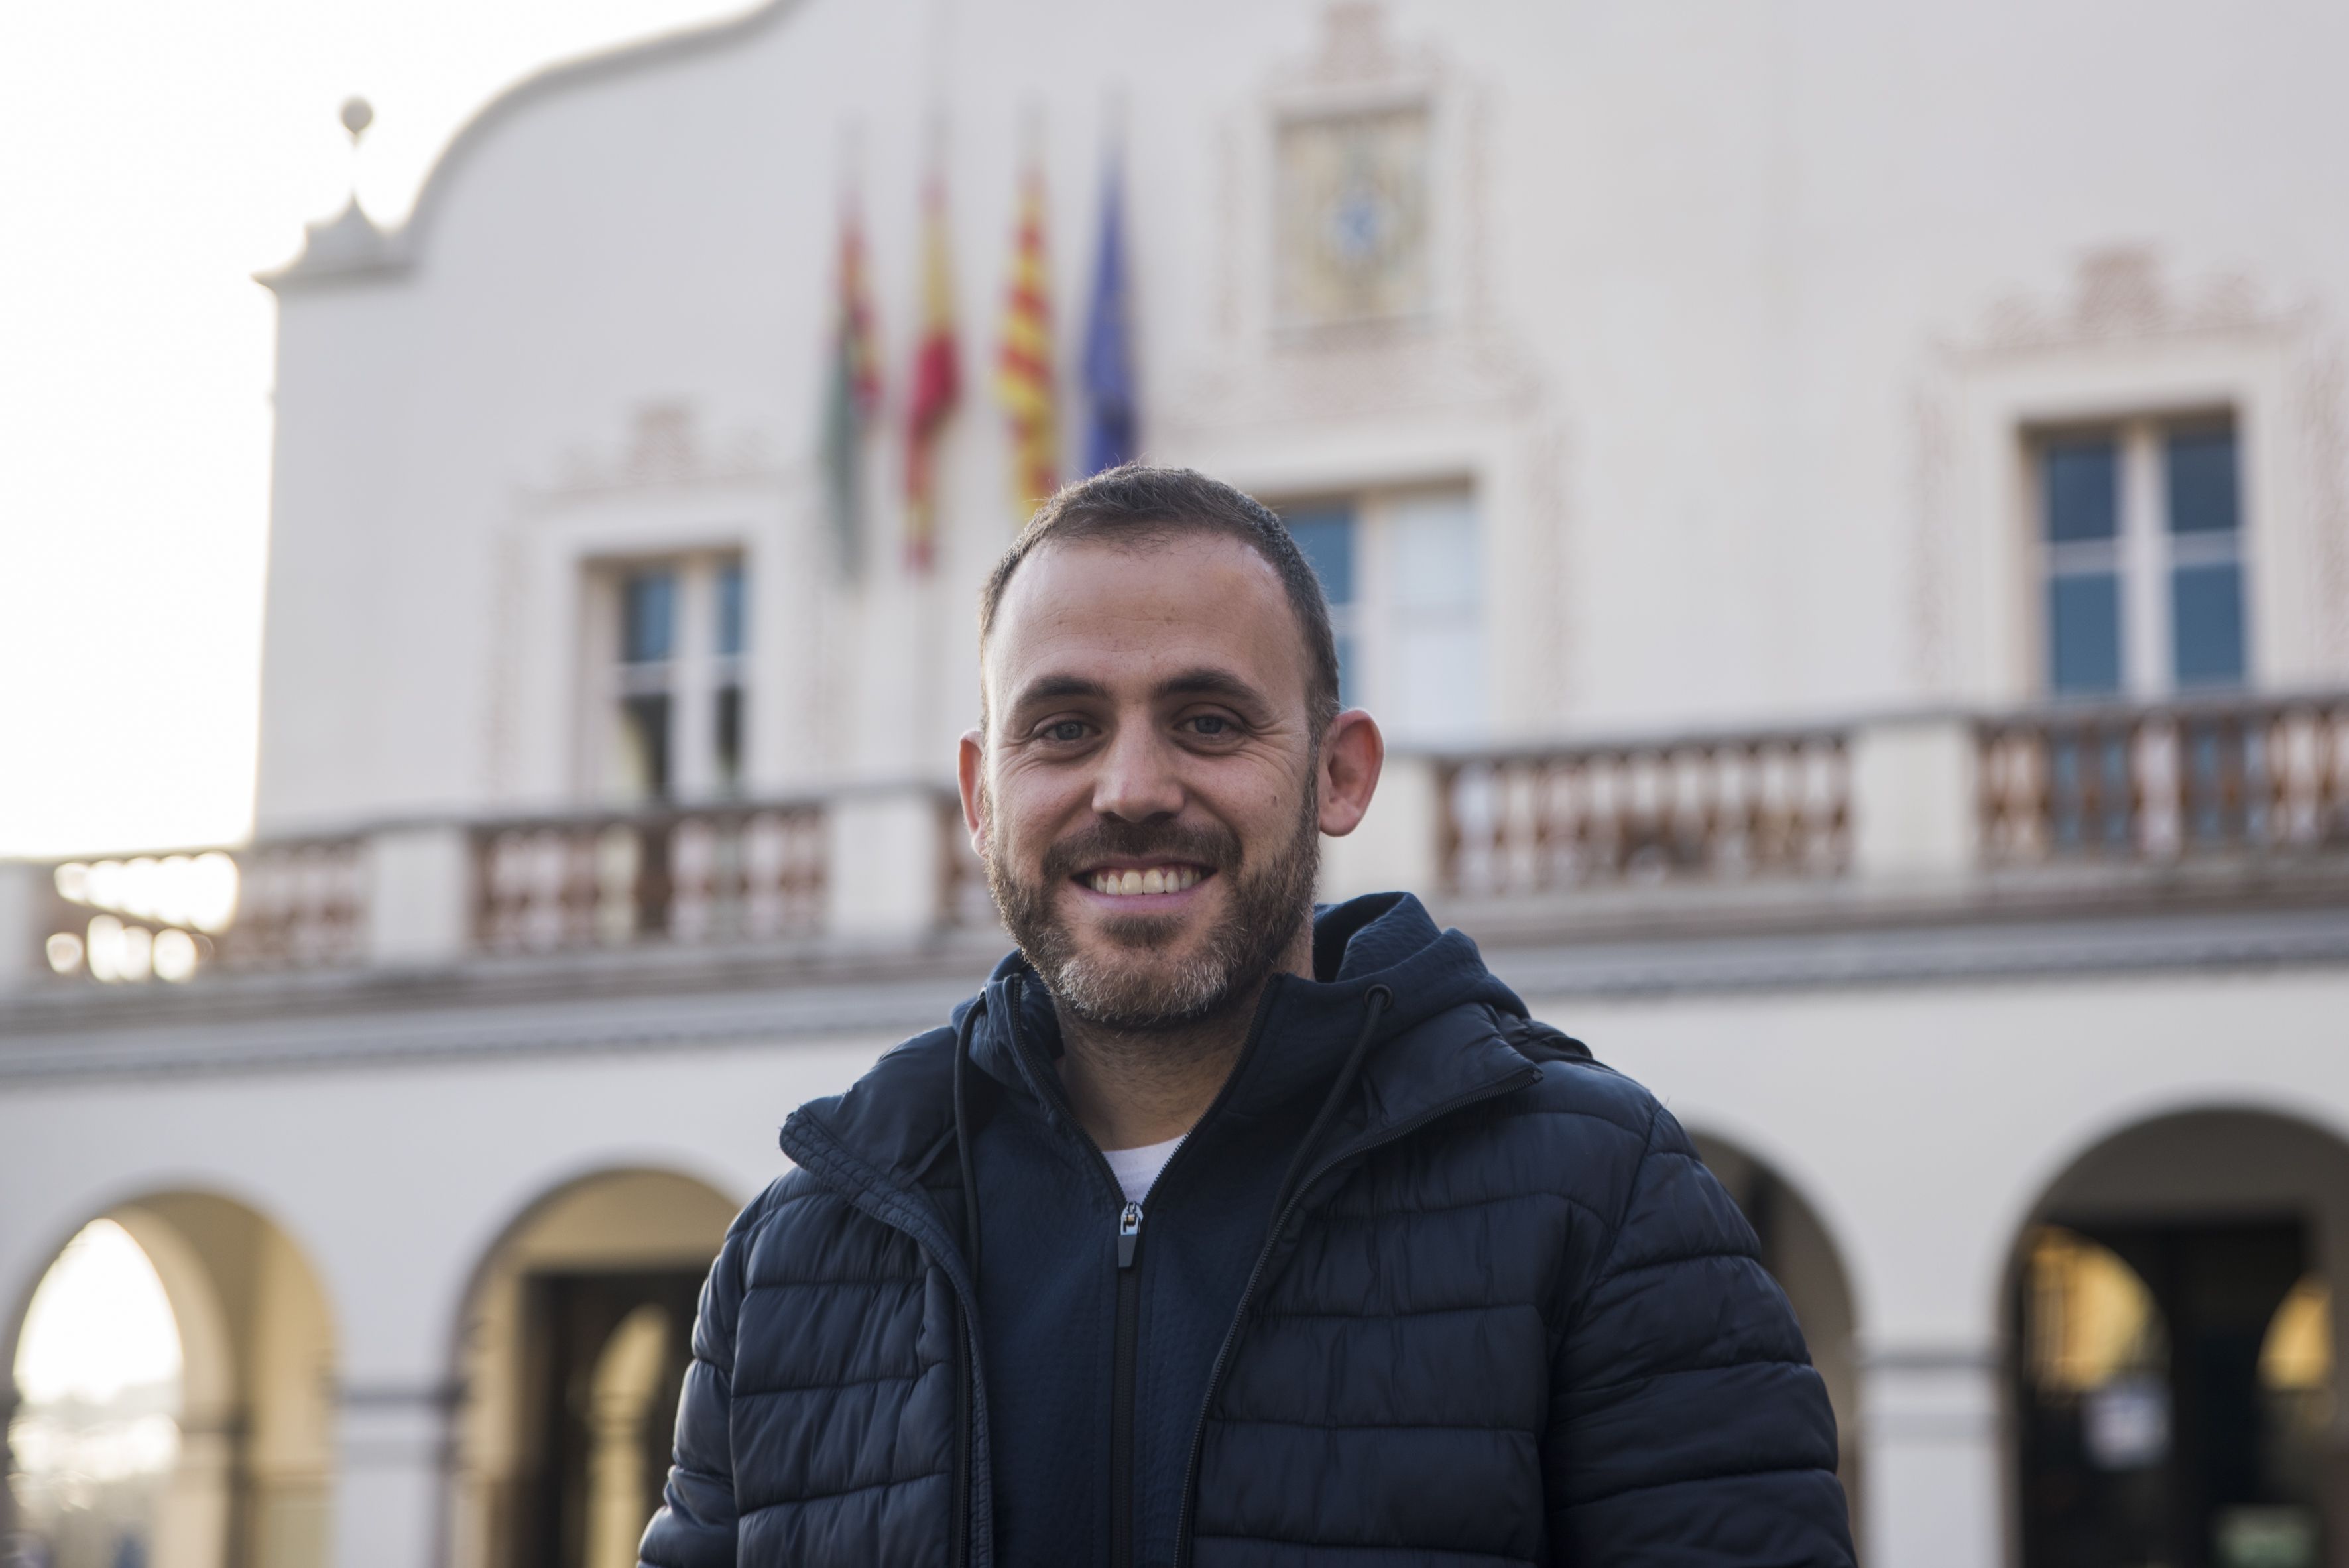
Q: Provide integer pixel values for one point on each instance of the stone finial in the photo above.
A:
(2120, 292)
(1354, 43)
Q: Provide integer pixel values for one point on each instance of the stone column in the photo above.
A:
(390, 1493)
(2331, 1258)
(1396, 846)
(884, 869)
(196, 1512)
(7, 1460)
(693, 688)
(1914, 800)
(21, 885)
(1932, 1457)
(420, 896)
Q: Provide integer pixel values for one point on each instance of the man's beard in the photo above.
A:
(1266, 903)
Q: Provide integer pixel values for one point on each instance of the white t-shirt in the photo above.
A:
(1137, 1168)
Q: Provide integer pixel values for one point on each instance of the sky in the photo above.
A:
(155, 154)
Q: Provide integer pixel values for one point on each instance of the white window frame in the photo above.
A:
(692, 675)
(1375, 618)
(1992, 579)
(2146, 552)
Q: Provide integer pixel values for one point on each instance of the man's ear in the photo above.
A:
(971, 778)
(1353, 752)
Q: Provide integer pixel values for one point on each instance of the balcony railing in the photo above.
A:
(1705, 809)
(1951, 807)
(747, 873)
(963, 898)
(689, 877)
(290, 904)
(2157, 784)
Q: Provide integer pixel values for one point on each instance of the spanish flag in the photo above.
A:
(935, 384)
(1023, 365)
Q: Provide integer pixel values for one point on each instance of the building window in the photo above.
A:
(2206, 557)
(676, 654)
(726, 724)
(648, 639)
(1404, 573)
(1325, 534)
(2142, 529)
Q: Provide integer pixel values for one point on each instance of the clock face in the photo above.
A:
(1352, 218)
(1362, 221)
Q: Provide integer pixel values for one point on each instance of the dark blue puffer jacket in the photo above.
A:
(1496, 1314)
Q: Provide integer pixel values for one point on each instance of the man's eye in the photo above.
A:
(1067, 730)
(1211, 724)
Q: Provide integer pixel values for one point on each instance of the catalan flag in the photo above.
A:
(935, 384)
(1023, 365)
(851, 396)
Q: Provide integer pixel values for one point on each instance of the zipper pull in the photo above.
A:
(1129, 1234)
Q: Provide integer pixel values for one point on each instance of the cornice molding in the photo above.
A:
(450, 1021)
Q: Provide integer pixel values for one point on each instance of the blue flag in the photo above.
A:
(1112, 421)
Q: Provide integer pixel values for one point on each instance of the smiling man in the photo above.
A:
(1216, 1230)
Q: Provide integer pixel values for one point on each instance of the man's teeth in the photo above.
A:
(1157, 878)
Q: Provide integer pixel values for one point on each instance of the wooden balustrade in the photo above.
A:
(1717, 809)
(711, 874)
(2159, 783)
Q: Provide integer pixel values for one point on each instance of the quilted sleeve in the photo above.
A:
(1687, 1426)
(695, 1526)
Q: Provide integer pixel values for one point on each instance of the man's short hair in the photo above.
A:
(1138, 507)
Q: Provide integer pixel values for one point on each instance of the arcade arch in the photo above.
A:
(244, 1476)
(1801, 1255)
(574, 1341)
(2173, 1378)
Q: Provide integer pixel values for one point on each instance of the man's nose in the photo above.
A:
(1138, 778)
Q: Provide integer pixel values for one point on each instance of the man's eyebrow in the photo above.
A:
(1053, 688)
(1204, 680)
(1208, 681)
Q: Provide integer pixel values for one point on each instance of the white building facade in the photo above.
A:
(1844, 513)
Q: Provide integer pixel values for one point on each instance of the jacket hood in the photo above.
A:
(1388, 939)
(900, 1114)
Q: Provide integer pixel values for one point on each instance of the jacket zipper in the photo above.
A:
(1128, 1353)
(1125, 1345)
(1185, 1520)
(1124, 1352)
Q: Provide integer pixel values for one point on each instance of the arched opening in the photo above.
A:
(2173, 1373)
(1803, 1257)
(576, 1336)
(95, 1434)
(173, 1379)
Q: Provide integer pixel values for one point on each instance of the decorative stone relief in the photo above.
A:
(2120, 293)
(664, 446)
(1352, 245)
(1551, 691)
(1354, 46)
(1932, 424)
(508, 585)
(2323, 443)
